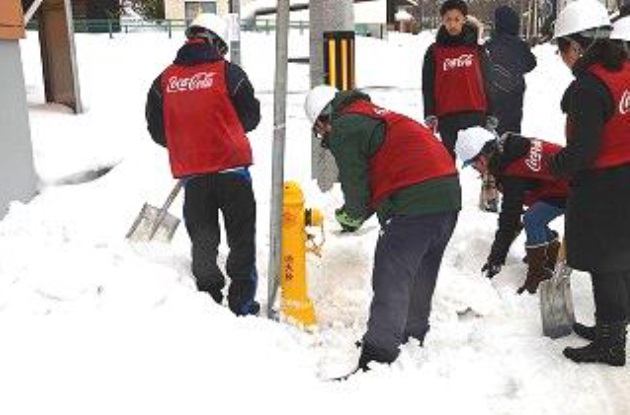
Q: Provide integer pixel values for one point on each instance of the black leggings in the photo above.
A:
(612, 296)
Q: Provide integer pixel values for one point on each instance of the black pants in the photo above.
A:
(612, 296)
(232, 194)
(449, 126)
(509, 111)
(406, 264)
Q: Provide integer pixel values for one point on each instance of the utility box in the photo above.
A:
(18, 180)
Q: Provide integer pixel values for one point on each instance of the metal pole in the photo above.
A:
(235, 31)
(277, 174)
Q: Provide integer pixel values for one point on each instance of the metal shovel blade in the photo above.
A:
(153, 224)
(148, 226)
(556, 301)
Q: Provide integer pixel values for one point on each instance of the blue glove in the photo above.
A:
(347, 222)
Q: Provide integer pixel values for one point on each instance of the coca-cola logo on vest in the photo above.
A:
(200, 80)
(624, 102)
(459, 62)
(534, 159)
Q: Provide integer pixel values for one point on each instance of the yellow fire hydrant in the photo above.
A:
(295, 302)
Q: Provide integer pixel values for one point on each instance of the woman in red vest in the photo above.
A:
(395, 167)
(521, 168)
(200, 108)
(454, 77)
(596, 160)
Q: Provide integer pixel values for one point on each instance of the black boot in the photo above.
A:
(419, 336)
(609, 346)
(585, 332)
(370, 353)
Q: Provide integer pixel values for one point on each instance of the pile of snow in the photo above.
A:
(94, 325)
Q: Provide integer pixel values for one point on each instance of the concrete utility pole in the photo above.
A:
(279, 135)
(235, 31)
(325, 15)
(18, 180)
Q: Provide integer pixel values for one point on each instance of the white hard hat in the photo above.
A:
(581, 16)
(317, 99)
(470, 142)
(621, 29)
(212, 23)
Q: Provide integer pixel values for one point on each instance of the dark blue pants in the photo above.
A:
(406, 264)
(536, 223)
(232, 195)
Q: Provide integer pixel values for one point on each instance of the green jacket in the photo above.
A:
(353, 140)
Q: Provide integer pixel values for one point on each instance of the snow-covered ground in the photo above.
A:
(94, 325)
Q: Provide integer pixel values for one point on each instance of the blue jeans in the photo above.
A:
(536, 222)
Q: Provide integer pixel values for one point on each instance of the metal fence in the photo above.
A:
(168, 26)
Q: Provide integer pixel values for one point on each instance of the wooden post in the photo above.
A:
(56, 36)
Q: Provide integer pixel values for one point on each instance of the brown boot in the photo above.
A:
(553, 247)
(536, 270)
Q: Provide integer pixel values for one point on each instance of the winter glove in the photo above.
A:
(347, 222)
(492, 123)
(432, 122)
(490, 269)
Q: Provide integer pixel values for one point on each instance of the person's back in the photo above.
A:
(395, 166)
(510, 58)
(200, 108)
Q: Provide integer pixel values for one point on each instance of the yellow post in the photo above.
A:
(295, 302)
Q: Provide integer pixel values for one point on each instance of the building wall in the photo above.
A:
(176, 9)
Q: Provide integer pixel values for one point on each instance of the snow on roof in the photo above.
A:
(365, 11)
(403, 16)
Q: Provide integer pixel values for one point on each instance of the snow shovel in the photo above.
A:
(489, 195)
(156, 224)
(556, 301)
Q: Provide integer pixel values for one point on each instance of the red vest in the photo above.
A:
(203, 131)
(458, 80)
(615, 141)
(409, 154)
(535, 165)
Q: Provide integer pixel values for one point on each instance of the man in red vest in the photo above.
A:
(200, 108)
(396, 167)
(521, 168)
(454, 77)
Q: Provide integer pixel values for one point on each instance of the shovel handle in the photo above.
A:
(562, 252)
(162, 212)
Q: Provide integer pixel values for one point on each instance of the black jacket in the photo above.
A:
(510, 58)
(467, 37)
(240, 89)
(513, 190)
(597, 228)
